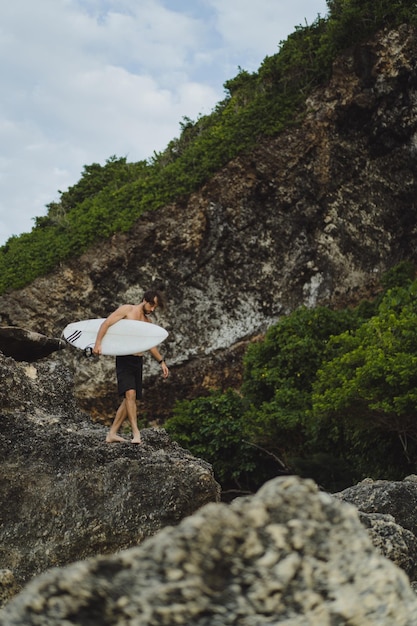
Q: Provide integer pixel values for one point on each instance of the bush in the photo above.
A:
(211, 428)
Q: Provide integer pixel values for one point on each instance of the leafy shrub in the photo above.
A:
(211, 428)
(370, 381)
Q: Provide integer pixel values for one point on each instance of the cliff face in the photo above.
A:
(313, 216)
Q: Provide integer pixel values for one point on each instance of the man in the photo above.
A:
(129, 368)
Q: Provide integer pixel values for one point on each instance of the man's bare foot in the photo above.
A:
(137, 440)
(115, 439)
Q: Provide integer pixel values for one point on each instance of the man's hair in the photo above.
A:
(150, 296)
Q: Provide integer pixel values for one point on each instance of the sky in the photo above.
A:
(84, 80)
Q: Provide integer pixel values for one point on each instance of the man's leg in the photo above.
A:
(132, 414)
(120, 417)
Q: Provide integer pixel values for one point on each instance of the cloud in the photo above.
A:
(88, 79)
(247, 26)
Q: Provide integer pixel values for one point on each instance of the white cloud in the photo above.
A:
(248, 26)
(86, 79)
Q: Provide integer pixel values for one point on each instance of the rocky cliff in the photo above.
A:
(312, 216)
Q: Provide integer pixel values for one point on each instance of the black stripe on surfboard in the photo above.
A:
(74, 336)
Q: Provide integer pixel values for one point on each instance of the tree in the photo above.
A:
(291, 352)
(371, 379)
(211, 427)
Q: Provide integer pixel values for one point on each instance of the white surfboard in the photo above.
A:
(122, 338)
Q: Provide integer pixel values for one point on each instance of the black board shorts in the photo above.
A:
(129, 374)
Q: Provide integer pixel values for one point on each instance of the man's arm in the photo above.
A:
(114, 317)
(157, 355)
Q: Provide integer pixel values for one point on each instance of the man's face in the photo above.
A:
(149, 307)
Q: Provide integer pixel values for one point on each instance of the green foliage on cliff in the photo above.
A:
(211, 426)
(367, 382)
(110, 198)
(328, 394)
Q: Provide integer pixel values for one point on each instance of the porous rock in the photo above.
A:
(288, 555)
(42, 389)
(8, 586)
(65, 494)
(396, 498)
(393, 541)
(387, 510)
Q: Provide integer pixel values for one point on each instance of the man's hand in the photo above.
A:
(97, 349)
(165, 370)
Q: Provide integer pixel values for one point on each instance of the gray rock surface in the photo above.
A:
(387, 510)
(396, 498)
(289, 555)
(396, 543)
(64, 493)
(8, 586)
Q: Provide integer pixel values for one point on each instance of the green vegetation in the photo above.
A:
(331, 395)
(366, 387)
(110, 198)
(211, 426)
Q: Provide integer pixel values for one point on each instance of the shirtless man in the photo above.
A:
(129, 368)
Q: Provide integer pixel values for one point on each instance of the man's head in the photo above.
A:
(152, 299)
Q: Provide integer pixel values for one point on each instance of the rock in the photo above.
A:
(43, 389)
(396, 498)
(65, 494)
(288, 555)
(8, 586)
(393, 541)
(27, 345)
(387, 509)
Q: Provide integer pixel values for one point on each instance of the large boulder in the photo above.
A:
(65, 494)
(288, 555)
(396, 498)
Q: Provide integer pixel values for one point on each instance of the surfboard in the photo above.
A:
(122, 338)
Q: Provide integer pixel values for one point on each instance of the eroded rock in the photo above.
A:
(65, 494)
(8, 586)
(398, 544)
(396, 498)
(288, 555)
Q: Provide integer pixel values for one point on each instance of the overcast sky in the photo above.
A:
(83, 80)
